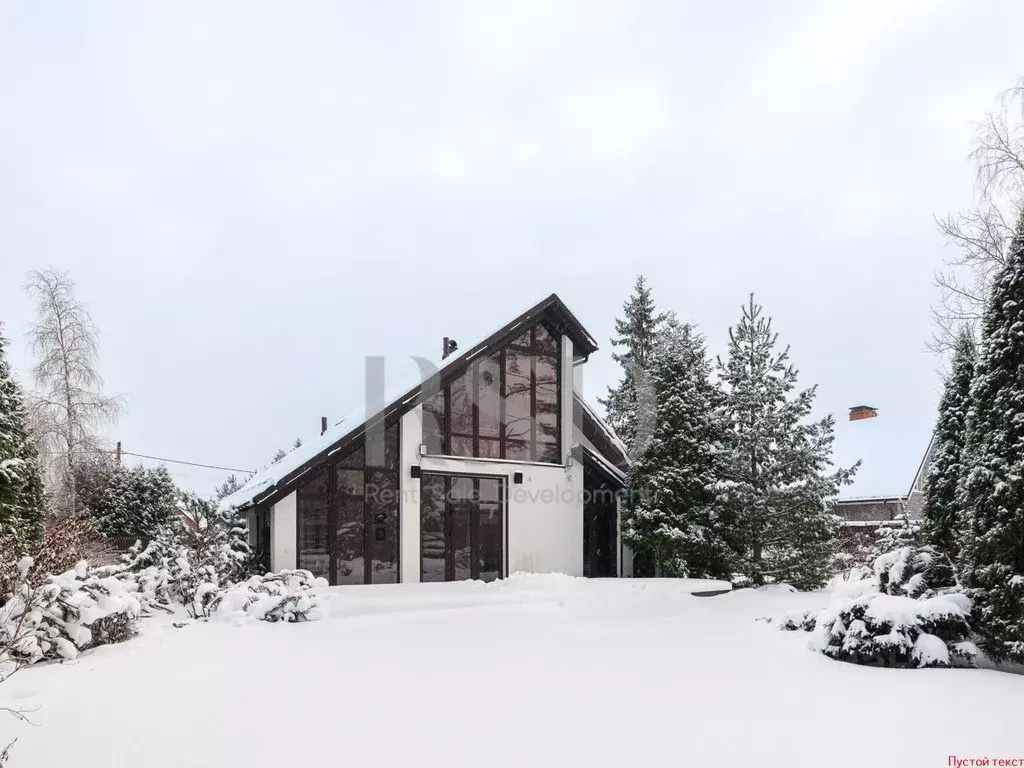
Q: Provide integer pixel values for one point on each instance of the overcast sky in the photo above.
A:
(253, 197)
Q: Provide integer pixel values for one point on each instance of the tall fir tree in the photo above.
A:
(991, 534)
(940, 516)
(776, 480)
(21, 485)
(672, 517)
(629, 405)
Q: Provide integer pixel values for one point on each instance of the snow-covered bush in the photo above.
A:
(794, 620)
(184, 565)
(899, 532)
(70, 613)
(288, 596)
(909, 613)
(917, 572)
(891, 631)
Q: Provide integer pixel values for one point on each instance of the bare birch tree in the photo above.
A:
(981, 234)
(68, 406)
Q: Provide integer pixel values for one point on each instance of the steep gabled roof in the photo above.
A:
(274, 480)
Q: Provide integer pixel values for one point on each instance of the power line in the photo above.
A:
(189, 463)
(158, 458)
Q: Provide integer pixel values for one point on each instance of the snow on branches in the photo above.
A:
(70, 613)
(288, 596)
(910, 614)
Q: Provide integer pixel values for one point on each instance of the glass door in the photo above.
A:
(462, 527)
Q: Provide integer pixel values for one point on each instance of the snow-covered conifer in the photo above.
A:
(672, 517)
(895, 534)
(917, 572)
(884, 630)
(940, 516)
(628, 405)
(228, 487)
(990, 536)
(21, 485)
(239, 558)
(776, 480)
(137, 503)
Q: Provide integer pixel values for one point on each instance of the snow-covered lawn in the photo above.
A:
(533, 671)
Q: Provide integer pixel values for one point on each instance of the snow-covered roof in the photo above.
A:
(604, 426)
(398, 396)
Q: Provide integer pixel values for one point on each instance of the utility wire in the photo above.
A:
(158, 458)
(189, 463)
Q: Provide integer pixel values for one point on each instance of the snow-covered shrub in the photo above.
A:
(899, 532)
(915, 572)
(794, 620)
(288, 596)
(65, 540)
(893, 631)
(70, 613)
(182, 565)
(148, 571)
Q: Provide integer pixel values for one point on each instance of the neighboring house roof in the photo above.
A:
(284, 473)
(922, 469)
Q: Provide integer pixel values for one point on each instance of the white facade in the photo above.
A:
(283, 531)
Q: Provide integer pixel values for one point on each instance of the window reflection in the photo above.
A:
(504, 406)
(461, 528)
(311, 508)
(351, 535)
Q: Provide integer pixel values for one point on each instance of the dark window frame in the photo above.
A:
(472, 371)
(331, 467)
(503, 494)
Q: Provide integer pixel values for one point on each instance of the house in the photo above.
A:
(492, 463)
(870, 511)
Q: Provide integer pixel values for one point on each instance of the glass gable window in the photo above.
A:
(348, 515)
(505, 406)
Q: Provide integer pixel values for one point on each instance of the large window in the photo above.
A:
(348, 514)
(505, 406)
(461, 528)
(311, 508)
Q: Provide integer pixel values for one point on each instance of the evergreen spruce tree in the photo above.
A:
(775, 480)
(629, 405)
(21, 485)
(228, 487)
(898, 533)
(991, 534)
(239, 558)
(137, 503)
(672, 517)
(940, 514)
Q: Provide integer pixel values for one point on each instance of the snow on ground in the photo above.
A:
(532, 671)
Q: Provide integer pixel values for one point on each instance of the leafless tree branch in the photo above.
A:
(68, 406)
(980, 235)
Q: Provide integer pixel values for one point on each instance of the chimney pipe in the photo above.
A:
(323, 424)
(444, 348)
